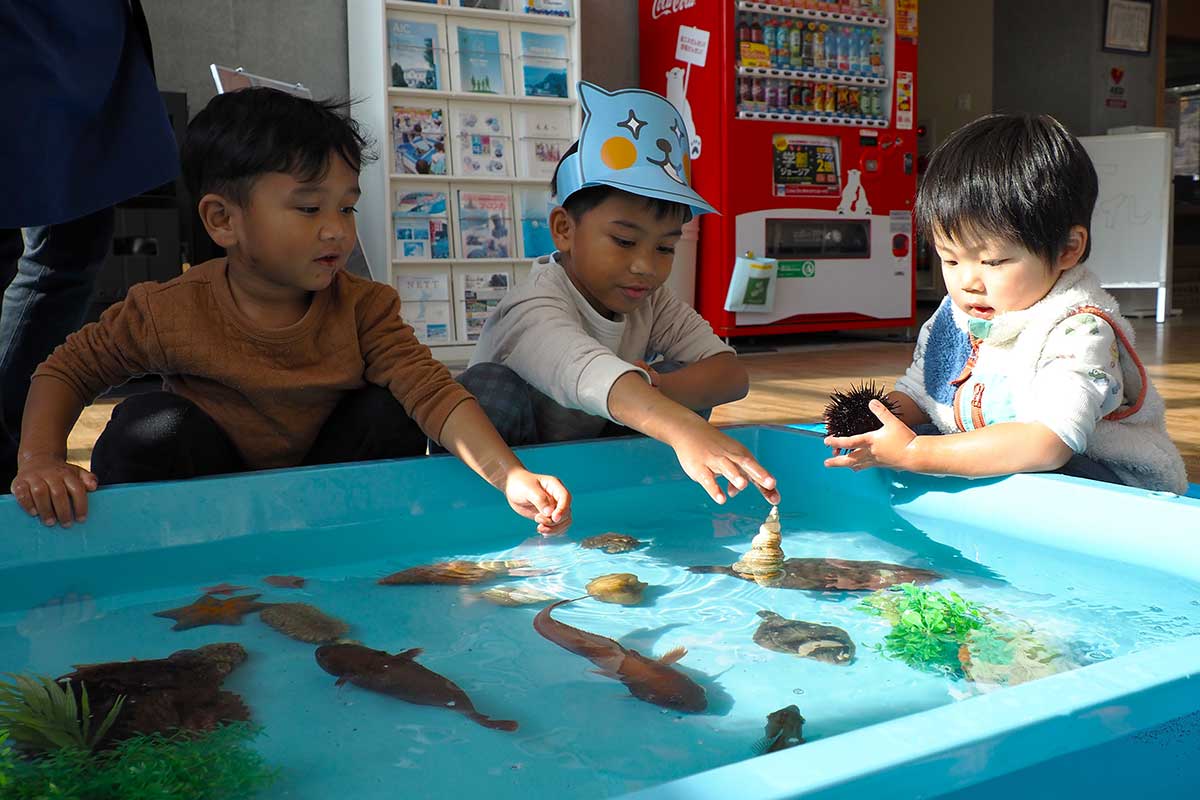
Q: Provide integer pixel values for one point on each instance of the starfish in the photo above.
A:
(224, 588)
(208, 610)
(285, 581)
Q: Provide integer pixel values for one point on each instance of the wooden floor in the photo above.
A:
(793, 384)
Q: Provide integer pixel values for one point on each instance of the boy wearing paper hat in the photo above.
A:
(567, 355)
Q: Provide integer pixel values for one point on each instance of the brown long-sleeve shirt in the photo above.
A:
(270, 390)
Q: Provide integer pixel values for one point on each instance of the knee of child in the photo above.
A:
(488, 379)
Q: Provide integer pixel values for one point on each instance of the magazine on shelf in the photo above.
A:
(485, 224)
(416, 51)
(421, 223)
(419, 139)
(481, 58)
(478, 294)
(542, 55)
(425, 303)
(543, 134)
(482, 139)
(533, 210)
(550, 8)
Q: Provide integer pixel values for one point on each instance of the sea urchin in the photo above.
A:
(848, 413)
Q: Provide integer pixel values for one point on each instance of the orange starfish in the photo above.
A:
(208, 610)
(285, 581)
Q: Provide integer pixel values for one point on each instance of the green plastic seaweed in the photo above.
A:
(928, 627)
(40, 713)
(216, 765)
(6, 759)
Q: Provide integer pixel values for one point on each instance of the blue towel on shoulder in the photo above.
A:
(946, 352)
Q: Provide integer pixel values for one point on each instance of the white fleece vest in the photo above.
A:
(1132, 440)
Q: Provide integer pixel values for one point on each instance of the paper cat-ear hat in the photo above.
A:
(633, 140)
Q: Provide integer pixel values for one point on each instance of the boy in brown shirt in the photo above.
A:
(271, 357)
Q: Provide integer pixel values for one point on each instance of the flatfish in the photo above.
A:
(805, 639)
(833, 574)
(612, 543)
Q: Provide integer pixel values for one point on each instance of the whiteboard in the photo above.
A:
(1131, 223)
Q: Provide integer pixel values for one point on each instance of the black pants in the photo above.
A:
(161, 436)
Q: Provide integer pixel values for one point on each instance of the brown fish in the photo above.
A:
(303, 622)
(652, 680)
(180, 692)
(784, 729)
(285, 581)
(805, 639)
(462, 573)
(611, 543)
(835, 574)
(400, 676)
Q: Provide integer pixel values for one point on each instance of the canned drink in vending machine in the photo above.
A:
(830, 100)
(864, 102)
(746, 93)
(759, 86)
(806, 96)
(877, 103)
(843, 100)
(795, 98)
(853, 103)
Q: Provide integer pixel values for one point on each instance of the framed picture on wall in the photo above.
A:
(1127, 25)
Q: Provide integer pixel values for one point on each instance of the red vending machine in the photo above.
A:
(801, 117)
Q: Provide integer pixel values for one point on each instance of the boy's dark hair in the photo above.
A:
(589, 197)
(244, 134)
(1019, 177)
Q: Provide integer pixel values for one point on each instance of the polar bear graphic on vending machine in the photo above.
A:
(677, 96)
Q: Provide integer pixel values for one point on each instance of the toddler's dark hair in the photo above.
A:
(589, 197)
(1019, 177)
(244, 134)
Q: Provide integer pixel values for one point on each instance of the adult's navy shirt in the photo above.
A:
(84, 126)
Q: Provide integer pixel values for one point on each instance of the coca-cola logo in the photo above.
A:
(663, 7)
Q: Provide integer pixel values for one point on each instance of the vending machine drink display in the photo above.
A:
(801, 132)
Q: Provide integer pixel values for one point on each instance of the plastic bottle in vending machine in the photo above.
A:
(759, 86)
(796, 45)
(864, 102)
(877, 103)
(806, 45)
(818, 47)
(768, 38)
(876, 53)
(862, 54)
(743, 28)
(844, 44)
(756, 31)
(785, 43)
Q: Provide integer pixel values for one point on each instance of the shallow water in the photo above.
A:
(581, 734)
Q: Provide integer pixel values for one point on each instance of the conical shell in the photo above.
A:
(764, 560)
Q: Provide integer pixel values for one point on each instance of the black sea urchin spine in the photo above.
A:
(848, 413)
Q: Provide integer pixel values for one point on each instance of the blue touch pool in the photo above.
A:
(1113, 573)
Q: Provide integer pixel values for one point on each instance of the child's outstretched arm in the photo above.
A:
(469, 434)
(46, 485)
(703, 451)
(706, 383)
(1001, 449)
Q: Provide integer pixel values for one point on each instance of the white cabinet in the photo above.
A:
(470, 104)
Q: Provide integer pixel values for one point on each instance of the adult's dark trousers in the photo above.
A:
(160, 436)
(49, 272)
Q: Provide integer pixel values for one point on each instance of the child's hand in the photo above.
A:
(541, 498)
(654, 376)
(53, 489)
(705, 452)
(889, 446)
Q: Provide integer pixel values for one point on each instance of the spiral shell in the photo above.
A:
(764, 560)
